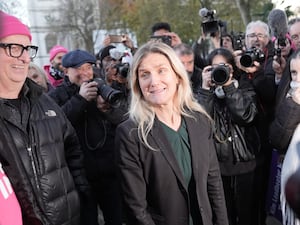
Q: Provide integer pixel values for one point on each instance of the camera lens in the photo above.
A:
(123, 69)
(220, 74)
(109, 94)
(251, 55)
(246, 60)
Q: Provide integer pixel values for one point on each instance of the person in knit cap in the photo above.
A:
(55, 70)
(10, 211)
(40, 151)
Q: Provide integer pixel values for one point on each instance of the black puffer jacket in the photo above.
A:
(40, 153)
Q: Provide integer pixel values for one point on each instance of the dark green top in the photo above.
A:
(179, 141)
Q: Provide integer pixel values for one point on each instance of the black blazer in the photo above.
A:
(154, 189)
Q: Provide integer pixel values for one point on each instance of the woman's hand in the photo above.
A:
(206, 78)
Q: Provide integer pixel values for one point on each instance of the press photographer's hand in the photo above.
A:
(175, 38)
(102, 105)
(278, 65)
(251, 69)
(206, 78)
(88, 90)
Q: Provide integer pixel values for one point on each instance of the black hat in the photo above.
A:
(76, 58)
(104, 52)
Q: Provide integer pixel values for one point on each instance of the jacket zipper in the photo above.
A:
(32, 159)
(29, 149)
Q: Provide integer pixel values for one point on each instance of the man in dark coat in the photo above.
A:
(87, 103)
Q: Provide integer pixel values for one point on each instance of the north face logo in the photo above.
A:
(50, 113)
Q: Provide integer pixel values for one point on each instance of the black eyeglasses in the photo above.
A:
(16, 50)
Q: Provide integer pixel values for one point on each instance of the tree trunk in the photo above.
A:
(243, 6)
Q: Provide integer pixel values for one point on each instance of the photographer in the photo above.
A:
(164, 29)
(211, 32)
(262, 76)
(84, 101)
(282, 53)
(230, 100)
(115, 67)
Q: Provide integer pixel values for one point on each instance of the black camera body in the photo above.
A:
(281, 41)
(238, 41)
(209, 24)
(109, 94)
(163, 38)
(220, 74)
(122, 69)
(278, 52)
(251, 55)
(210, 27)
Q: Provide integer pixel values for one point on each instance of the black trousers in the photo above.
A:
(106, 194)
(239, 196)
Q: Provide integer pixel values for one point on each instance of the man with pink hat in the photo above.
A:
(39, 150)
(55, 71)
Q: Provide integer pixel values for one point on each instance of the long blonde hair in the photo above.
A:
(140, 111)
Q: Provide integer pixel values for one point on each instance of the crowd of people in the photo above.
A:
(161, 133)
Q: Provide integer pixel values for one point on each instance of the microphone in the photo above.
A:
(203, 12)
(277, 21)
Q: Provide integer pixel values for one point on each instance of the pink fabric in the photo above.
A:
(10, 212)
(10, 25)
(55, 50)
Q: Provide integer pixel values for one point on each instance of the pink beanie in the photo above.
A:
(10, 25)
(55, 50)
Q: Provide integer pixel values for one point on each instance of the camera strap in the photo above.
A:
(219, 92)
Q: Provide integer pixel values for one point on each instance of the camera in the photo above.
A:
(116, 38)
(163, 38)
(278, 52)
(122, 69)
(281, 41)
(220, 74)
(238, 41)
(209, 24)
(251, 55)
(109, 94)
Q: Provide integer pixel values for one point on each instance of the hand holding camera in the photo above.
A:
(206, 78)
(110, 95)
(102, 105)
(251, 55)
(117, 38)
(254, 67)
(216, 75)
(88, 90)
(278, 65)
(169, 38)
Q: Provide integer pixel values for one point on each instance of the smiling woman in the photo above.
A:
(158, 147)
